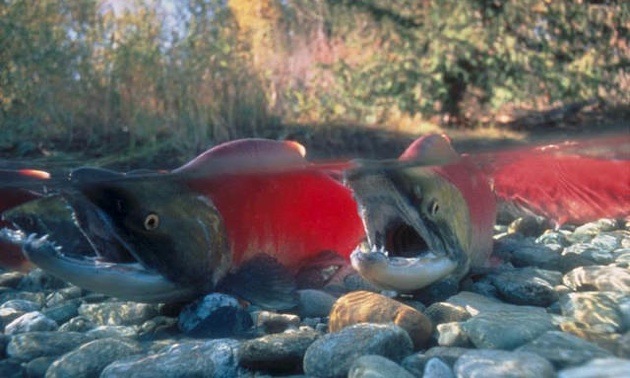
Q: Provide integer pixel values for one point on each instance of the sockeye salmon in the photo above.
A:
(228, 220)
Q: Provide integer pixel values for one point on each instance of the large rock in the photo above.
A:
(563, 349)
(213, 358)
(502, 364)
(367, 307)
(27, 346)
(277, 352)
(91, 358)
(333, 354)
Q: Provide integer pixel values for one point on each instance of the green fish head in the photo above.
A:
(154, 239)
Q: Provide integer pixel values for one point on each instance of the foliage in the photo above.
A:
(84, 73)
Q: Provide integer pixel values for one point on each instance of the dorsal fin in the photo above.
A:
(246, 155)
(432, 148)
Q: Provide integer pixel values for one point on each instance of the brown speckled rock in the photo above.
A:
(367, 307)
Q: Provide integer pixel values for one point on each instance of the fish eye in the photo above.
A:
(151, 222)
(433, 207)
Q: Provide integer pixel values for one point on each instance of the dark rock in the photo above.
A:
(502, 364)
(63, 312)
(589, 252)
(11, 369)
(277, 352)
(375, 366)
(443, 312)
(90, 359)
(118, 313)
(77, 324)
(563, 349)
(314, 303)
(527, 286)
(215, 315)
(332, 354)
(523, 252)
(212, 358)
(272, 322)
(11, 279)
(416, 363)
(27, 346)
(436, 368)
(37, 368)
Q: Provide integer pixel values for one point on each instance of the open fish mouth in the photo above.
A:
(104, 264)
(405, 250)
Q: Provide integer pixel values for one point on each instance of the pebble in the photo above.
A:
(62, 312)
(599, 368)
(91, 358)
(332, 354)
(601, 278)
(212, 358)
(527, 286)
(27, 346)
(11, 279)
(523, 252)
(22, 305)
(11, 369)
(314, 303)
(452, 334)
(30, 322)
(436, 368)
(77, 324)
(595, 308)
(443, 312)
(590, 252)
(375, 366)
(119, 332)
(366, 307)
(502, 364)
(416, 363)
(280, 352)
(38, 366)
(118, 313)
(563, 349)
(215, 315)
(272, 322)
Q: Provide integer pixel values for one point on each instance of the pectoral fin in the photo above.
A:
(263, 281)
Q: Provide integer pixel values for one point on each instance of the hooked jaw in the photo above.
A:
(404, 251)
(107, 267)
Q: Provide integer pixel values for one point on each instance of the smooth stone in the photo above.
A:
(27, 346)
(554, 237)
(91, 358)
(22, 305)
(436, 368)
(600, 278)
(63, 312)
(212, 358)
(158, 327)
(7, 315)
(276, 352)
(118, 313)
(215, 315)
(476, 303)
(77, 324)
(612, 342)
(101, 332)
(590, 252)
(443, 312)
(375, 366)
(622, 257)
(10, 294)
(272, 322)
(37, 367)
(416, 363)
(314, 303)
(527, 286)
(591, 229)
(62, 295)
(507, 329)
(11, 279)
(563, 349)
(11, 369)
(452, 335)
(502, 364)
(31, 322)
(599, 368)
(606, 241)
(523, 252)
(594, 308)
(332, 354)
(367, 307)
